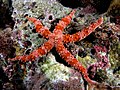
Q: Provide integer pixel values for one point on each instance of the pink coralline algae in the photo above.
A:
(57, 39)
(103, 61)
(101, 53)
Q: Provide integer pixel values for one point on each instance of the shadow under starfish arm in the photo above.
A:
(83, 33)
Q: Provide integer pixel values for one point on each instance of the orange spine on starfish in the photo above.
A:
(83, 33)
(46, 47)
(69, 58)
(44, 31)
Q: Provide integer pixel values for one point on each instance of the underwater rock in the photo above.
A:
(48, 11)
(114, 8)
(54, 76)
(6, 43)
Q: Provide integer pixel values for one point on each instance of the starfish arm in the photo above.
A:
(69, 58)
(83, 33)
(46, 47)
(44, 31)
(64, 22)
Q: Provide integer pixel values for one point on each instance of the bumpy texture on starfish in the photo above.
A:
(57, 40)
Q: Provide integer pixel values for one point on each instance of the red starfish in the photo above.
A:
(57, 38)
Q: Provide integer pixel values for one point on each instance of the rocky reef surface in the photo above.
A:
(99, 52)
